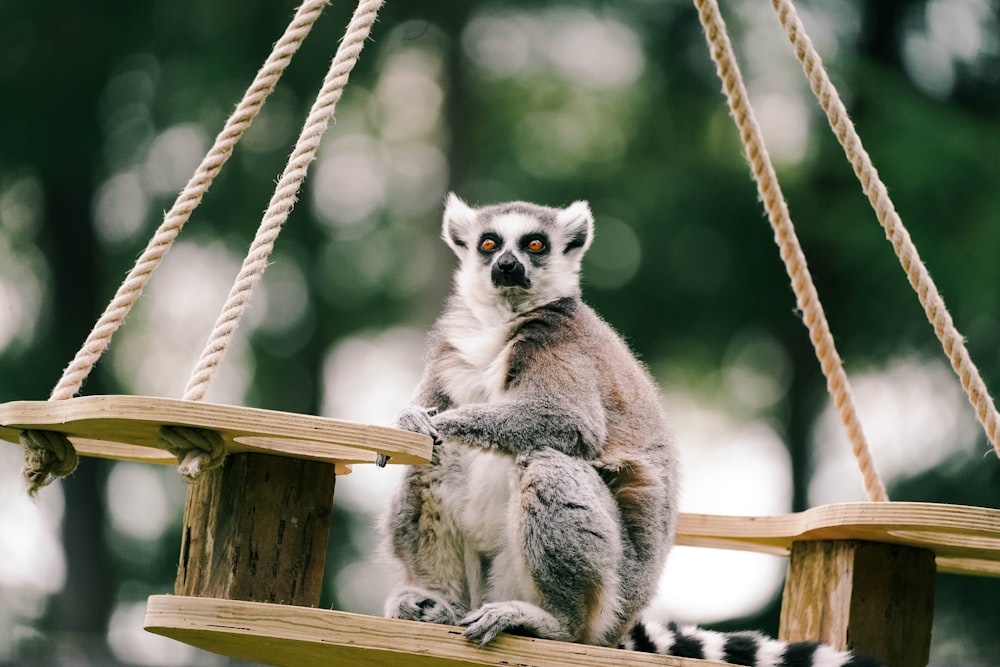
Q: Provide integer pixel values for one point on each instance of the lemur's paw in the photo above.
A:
(418, 420)
(520, 618)
(453, 423)
(443, 424)
(484, 624)
(421, 605)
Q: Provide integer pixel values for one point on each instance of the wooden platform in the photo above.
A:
(847, 538)
(966, 540)
(126, 427)
(295, 636)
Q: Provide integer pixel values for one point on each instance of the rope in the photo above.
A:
(284, 197)
(196, 449)
(791, 252)
(188, 200)
(47, 455)
(934, 307)
(41, 468)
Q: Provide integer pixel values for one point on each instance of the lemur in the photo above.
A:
(550, 501)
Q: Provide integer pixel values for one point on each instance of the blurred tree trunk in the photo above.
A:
(83, 607)
(881, 26)
(75, 46)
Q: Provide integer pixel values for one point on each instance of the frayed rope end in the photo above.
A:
(47, 455)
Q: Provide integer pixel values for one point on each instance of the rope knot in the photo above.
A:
(197, 450)
(47, 455)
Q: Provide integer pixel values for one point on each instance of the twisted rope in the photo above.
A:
(196, 449)
(47, 452)
(284, 197)
(47, 455)
(791, 252)
(920, 280)
(188, 200)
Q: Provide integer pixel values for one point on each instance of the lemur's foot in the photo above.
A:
(416, 604)
(521, 618)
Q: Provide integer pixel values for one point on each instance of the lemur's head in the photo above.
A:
(517, 254)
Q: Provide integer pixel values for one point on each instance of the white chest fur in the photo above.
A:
(481, 500)
(491, 480)
(480, 489)
(478, 373)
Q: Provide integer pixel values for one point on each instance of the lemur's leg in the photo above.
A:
(570, 544)
(426, 539)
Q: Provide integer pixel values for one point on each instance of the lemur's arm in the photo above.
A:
(556, 405)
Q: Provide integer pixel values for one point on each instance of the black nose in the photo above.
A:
(509, 272)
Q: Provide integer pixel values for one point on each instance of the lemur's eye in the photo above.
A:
(488, 244)
(536, 245)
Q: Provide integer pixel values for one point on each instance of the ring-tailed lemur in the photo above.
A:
(550, 501)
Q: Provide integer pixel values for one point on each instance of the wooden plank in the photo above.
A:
(966, 540)
(256, 529)
(874, 599)
(294, 636)
(126, 427)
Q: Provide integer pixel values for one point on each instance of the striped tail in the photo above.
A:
(751, 649)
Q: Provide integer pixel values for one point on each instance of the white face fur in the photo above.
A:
(517, 256)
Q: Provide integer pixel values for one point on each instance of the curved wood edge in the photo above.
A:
(126, 427)
(281, 635)
(965, 539)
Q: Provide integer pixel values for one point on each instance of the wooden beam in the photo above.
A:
(294, 636)
(256, 529)
(127, 427)
(875, 599)
(965, 539)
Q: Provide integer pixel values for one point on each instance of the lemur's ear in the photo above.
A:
(578, 223)
(459, 221)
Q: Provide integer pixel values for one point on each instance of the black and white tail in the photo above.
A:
(739, 648)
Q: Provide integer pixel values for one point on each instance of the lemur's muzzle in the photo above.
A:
(508, 271)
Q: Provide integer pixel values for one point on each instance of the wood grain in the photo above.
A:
(295, 636)
(875, 599)
(965, 540)
(256, 529)
(126, 427)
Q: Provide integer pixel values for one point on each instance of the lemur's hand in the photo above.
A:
(473, 425)
(418, 420)
(453, 423)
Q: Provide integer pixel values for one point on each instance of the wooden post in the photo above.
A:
(873, 598)
(256, 529)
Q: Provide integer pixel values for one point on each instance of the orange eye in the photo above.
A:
(488, 245)
(536, 245)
